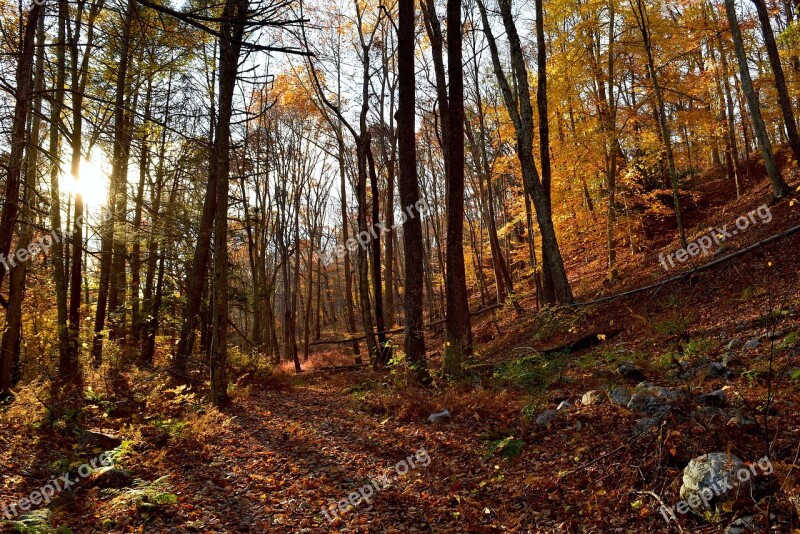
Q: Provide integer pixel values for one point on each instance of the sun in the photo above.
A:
(92, 183)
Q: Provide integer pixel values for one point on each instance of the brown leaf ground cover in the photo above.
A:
(288, 446)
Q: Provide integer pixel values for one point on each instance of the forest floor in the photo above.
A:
(288, 445)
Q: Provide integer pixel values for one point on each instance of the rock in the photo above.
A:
(619, 395)
(752, 344)
(711, 480)
(716, 370)
(438, 418)
(742, 525)
(727, 359)
(645, 424)
(96, 439)
(564, 405)
(592, 397)
(715, 398)
(628, 371)
(111, 477)
(777, 334)
(546, 418)
(741, 423)
(733, 344)
(650, 398)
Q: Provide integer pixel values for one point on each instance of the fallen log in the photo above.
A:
(397, 330)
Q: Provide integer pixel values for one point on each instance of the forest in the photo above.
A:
(395, 266)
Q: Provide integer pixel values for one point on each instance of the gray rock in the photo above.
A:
(650, 398)
(592, 397)
(727, 358)
(752, 344)
(777, 334)
(742, 525)
(546, 418)
(565, 404)
(711, 480)
(742, 423)
(715, 398)
(645, 424)
(716, 370)
(438, 418)
(620, 396)
(628, 371)
(733, 344)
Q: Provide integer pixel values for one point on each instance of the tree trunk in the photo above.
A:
(780, 80)
(458, 329)
(233, 15)
(779, 187)
(117, 188)
(408, 184)
(10, 345)
(642, 19)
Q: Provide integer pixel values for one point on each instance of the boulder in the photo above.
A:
(752, 344)
(742, 525)
(715, 398)
(439, 418)
(717, 370)
(743, 424)
(628, 371)
(546, 418)
(592, 397)
(620, 396)
(733, 344)
(711, 480)
(650, 398)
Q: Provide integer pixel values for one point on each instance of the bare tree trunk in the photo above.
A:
(780, 79)
(408, 184)
(643, 20)
(555, 286)
(136, 249)
(382, 355)
(196, 278)
(458, 329)
(57, 250)
(117, 188)
(233, 15)
(779, 187)
(10, 345)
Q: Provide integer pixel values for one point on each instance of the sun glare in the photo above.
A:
(92, 184)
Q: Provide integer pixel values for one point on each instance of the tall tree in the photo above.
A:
(458, 329)
(408, 183)
(780, 79)
(779, 187)
(643, 21)
(556, 287)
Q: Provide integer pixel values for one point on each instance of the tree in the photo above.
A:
(413, 246)
(780, 79)
(556, 287)
(779, 187)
